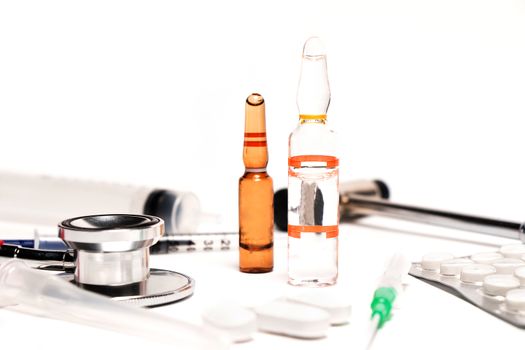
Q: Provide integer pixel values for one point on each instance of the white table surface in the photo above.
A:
(426, 317)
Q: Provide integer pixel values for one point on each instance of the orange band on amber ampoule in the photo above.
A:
(261, 142)
(254, 134)
(296, 230)
(255, 144)
(297, 161)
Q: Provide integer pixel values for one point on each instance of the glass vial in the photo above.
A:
(255, 194)
(313, 179)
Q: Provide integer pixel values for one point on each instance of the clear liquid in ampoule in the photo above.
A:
(313, 206)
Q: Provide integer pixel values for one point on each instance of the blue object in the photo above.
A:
(46, 244)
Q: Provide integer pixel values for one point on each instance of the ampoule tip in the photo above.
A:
(314, 48)
(255, 99)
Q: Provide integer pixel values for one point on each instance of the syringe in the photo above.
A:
(385, 295)
(57, 298)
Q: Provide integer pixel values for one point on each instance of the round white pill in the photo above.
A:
(499, 284)
(515, 299)
(336, 305)
(519, 273)
(507, 265)
(513, 250)
(453, 267)
(486, 257)
(237, 322)
(432, 261)
(476, 272)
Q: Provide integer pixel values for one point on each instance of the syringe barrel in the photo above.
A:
(46, 201)
(57, 298)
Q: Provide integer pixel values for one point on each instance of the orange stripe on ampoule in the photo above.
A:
(297, 161)
(254, 134)
(296, 230)
(255, 144)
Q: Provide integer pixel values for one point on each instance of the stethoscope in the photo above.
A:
(112, 258)
(366, 197)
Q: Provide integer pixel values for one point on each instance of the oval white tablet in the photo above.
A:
(292, 319)
(453, 267)
(486, 257)
(499, 284)
(474, 273)
(432, 261)
(237, 322)
(507, 265)
(335, 304)
(519, 273)
(515, 299)
(513, 250)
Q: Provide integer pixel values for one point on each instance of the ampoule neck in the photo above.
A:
(254, 173)
(312, 119)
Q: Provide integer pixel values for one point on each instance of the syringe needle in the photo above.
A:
(374, 322)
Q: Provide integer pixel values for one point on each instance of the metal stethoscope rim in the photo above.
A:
(112, 258)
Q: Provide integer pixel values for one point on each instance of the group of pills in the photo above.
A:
(494, 281)
(306, 316)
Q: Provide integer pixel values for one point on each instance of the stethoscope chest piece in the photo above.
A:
(112, 258)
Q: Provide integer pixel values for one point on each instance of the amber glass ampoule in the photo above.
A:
(255, 194)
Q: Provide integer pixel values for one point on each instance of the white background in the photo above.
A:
(426, 95)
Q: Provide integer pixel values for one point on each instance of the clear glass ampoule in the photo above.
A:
(255, 194)
(313, 179)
